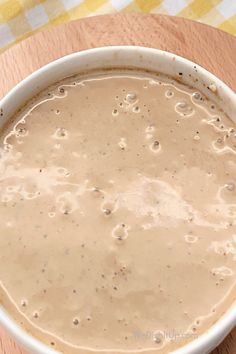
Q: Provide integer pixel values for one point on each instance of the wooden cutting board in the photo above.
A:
(213, 49)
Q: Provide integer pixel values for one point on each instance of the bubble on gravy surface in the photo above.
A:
(118, 207)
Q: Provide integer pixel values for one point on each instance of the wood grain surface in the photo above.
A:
(213, 49)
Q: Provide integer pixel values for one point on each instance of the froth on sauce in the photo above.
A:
(118, 209)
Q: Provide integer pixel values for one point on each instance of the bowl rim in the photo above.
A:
(215, 334)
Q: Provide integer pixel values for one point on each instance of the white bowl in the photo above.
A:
(123, 57)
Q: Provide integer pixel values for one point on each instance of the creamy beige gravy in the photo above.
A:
(118, 207)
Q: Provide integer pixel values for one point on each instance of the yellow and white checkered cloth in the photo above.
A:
(20, 18)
